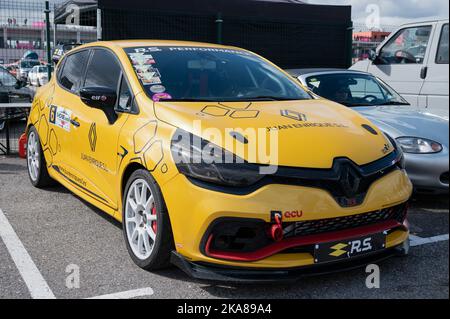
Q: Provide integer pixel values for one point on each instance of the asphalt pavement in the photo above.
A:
(63, 236)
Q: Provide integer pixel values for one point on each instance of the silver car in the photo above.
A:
(423, 137)
(38, 75)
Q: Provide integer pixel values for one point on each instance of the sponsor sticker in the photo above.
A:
(147, 49)
(60, 117)
(142, 59)
(150, 80)
(148, 75)
(158, 89)
(205, 49)
(160, 96)
(144, 65)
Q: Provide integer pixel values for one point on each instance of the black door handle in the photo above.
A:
(423, 73)
(75, 123)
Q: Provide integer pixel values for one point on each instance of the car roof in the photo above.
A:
(412, 23)
(316, 71)
(156, 43)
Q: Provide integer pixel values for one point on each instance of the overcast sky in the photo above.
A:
(394, 12)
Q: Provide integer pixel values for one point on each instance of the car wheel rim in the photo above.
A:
(33, 156)
(140, 219)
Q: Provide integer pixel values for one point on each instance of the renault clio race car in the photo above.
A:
(216, 160)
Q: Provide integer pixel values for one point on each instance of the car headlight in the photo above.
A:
(202, 160)
(417, 145)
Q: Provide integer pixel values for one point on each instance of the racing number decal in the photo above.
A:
(52, 116)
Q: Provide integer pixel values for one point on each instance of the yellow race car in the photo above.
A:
(216, 160)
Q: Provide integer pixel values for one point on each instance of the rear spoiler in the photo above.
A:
(62, 49)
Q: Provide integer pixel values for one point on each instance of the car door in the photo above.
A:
(435, 90)
(95, 139)
(58, 131)
(401, 62)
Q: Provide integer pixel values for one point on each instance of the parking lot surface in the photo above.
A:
(56, 234)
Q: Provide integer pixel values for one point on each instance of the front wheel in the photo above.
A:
(146, 224)
(37, 167)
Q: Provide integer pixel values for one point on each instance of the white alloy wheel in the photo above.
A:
(140, 219)
(33, 156)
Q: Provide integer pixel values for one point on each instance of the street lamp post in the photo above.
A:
(47, 26)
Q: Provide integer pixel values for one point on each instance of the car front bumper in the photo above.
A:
(194, 209)
(428, 171)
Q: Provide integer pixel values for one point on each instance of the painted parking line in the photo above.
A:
(144, 292)
(419, 241)
(435, 210)
(35, 282)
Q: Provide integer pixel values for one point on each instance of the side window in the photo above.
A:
(442, 53)
(125, 99)
(72, 72)
(103, 70)
(6, 79)
(407, 47)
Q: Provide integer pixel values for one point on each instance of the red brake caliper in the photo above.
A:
(154, 223)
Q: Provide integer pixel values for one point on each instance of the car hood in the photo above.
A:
(403, 121)
(309, 133)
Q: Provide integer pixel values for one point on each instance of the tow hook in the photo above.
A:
(276, 230)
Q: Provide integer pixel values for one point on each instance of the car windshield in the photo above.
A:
(210, 74)
(354, 90)
(28, 64)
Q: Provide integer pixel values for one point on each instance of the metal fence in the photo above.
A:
(290, 34)
(24, 54)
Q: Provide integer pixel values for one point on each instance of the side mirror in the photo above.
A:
(101, 98)
(20, 84)
(373, 55)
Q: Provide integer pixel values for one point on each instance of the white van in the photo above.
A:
(414, 61)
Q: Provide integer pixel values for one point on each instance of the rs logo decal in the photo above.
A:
(355, 247)
(338, 250)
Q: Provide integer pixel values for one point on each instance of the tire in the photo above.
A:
(146, 224)
(36, 164)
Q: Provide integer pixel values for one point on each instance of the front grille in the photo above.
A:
(313, 227)
(444, 178)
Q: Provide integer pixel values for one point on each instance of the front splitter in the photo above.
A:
(214, 273)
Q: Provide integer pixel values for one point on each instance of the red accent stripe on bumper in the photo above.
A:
(278, 247)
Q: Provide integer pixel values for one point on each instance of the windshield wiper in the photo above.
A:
(356, 104)
(187, 100)
(256, 98)
(267, 98)
(393, 103)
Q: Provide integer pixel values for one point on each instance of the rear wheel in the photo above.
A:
(37, 167)
(146, 224)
